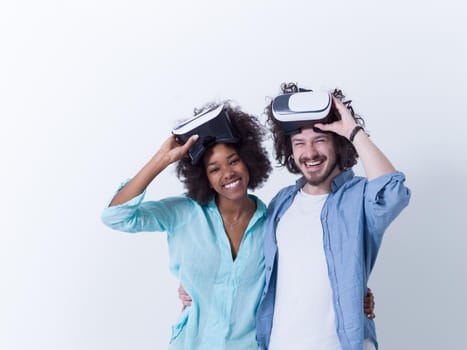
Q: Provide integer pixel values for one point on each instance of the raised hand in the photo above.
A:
(172, 151)
(344, 125)
(169, 152)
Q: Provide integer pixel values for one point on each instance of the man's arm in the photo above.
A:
(368, 301)
(369, 304)
(184, 297)
(373, 160)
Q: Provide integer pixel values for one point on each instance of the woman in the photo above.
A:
(215, 232)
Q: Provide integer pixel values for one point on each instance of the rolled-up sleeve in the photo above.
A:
(137, 215)
(385, 198)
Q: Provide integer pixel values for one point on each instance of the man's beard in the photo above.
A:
(318, 180)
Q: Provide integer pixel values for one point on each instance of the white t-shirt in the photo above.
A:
(303, 312)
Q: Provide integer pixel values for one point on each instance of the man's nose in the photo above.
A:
(310, 150)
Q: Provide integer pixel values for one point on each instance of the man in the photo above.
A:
(324, 232)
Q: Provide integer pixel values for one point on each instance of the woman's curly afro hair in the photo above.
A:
(250, 133)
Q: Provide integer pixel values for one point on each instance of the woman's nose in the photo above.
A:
(228, 172)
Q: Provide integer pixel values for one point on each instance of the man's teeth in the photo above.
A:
(313, 163)
(232, 184)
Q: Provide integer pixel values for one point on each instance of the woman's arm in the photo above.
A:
(169, 152)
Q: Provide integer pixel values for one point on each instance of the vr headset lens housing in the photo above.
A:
(213, 126)
(302, 109)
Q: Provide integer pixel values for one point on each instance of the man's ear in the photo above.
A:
(291, 163)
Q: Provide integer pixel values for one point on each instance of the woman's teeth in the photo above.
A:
(232, 184)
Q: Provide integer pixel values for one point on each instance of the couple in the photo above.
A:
(292, 275)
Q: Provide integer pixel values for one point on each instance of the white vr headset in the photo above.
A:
(302, 109)
(212, 126)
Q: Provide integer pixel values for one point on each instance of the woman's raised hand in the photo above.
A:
(171, 151)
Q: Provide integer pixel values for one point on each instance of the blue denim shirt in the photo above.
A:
(354, 218)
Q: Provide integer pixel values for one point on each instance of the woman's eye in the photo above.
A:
(234, 161)
(213, 170)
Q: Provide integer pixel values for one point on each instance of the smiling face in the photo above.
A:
(314, 154)
(226, 172)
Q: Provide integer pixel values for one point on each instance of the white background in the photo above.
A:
(89, 90)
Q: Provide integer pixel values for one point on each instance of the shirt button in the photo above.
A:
(269, 268)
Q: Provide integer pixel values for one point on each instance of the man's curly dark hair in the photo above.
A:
(346, 153)
(250, 133)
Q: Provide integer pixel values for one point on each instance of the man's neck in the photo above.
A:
(316, 190)
(322, 188)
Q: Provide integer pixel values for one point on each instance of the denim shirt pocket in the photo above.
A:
(178, 327)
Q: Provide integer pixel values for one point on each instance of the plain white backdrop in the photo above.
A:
(89, 90)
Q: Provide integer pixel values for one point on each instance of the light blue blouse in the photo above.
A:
(225, 292)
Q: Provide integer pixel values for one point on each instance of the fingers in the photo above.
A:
(184, 297)
(191, 141)
(186, 146)
(323, 127)
(344, 113)
(175, 151)
(341, 109)
(369, 305)
(181, 290)
(338, 104)
(369, 312)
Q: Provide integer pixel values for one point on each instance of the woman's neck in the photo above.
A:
(235, 208)
(236, 216)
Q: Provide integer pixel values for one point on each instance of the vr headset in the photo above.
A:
(302, 109)
(212, 126)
